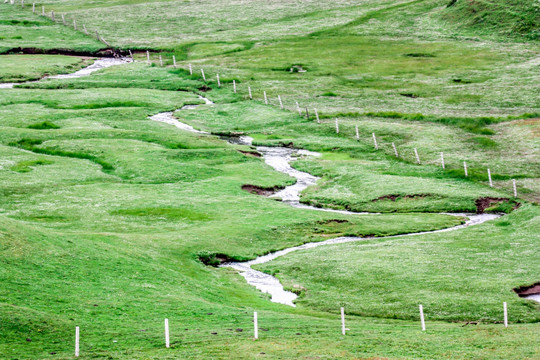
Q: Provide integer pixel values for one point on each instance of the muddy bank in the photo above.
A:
(525, 291)
(484, 203)
(251, 153)
(258, 190)
(103, 53)
(393, 197)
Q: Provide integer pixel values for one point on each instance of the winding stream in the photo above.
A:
(97, 65)
(280, 159)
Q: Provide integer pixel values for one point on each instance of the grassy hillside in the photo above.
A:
(505, 17)
(104, 214)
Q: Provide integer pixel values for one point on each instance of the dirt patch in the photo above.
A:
(204, 88)
(258, 190)
(213, 259)
(411, 95)
(99, 53)
(287, 145)
(394, 197)
(332, 221)
(524, 291)
(251, 153)
(486, 202)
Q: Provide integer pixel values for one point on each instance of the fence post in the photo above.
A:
(84, 29)
(190, 70)
(202, 73)
(160, 61)
(77, 341)
(465, 169)
(167, 339)
(417, 157)
(307, 113)
(356, 131)
(489, 178)
(442, 159)
(234, 86)
(515, 187)
(375, 141)
(317, 116)
(74, 24)
(280, 102)
(265, 98)
(52, 15)
(63, 19)
(395, 149)
(255, 326)
(250, 95)
(422, 318)
(174, 61)
(342, 321)
(505, 308)
(148, 57)
(337, 126)
(298, 108)
(218, 81)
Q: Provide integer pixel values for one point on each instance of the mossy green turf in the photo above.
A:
(103, 212)
(19, 68)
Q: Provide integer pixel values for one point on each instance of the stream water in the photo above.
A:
(280, 159)
(97, 65)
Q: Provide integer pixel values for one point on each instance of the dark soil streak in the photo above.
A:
(258, 190)
(106, 52)
(394, 197)
(524, 291)
(251, 153)
(486, 202)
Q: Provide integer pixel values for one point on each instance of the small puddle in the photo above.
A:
(97, 65)
(280, 159)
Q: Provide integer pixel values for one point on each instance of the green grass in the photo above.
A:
(19, 68)
(458, 276)
(105, 215)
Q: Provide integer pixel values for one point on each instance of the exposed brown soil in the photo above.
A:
(523, 291)
(332, 221)
(251, 153)
(204, 88)
(100, 53)
(287, 145)
(411, 95)
(485, 202)
(214, 259)
(394, 197)
(258, 190)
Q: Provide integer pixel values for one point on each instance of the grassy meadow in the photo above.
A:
(105, 214)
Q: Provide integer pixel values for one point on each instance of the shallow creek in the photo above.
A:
(97, 65)
(280, 159)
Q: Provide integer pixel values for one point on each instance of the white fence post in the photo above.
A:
(63, 20)
(442, 159)
(489, 178)
(167, 339)
(422, 318)
(42, 10)
(280, 102)
(395, 149)
(265, 98)
(356, 131)
(343, 321)
(174, 61)
(317, 116)
(505, 308)
(190, 70)
(417, 157)
(298, 109)
(84, 29)
(148, 57)
(74, 24)
(255, 326)
(465, 168)
(337, 126)
(77, 333)
(250, 94)
(234, 86)
(218, 80)
(160, 61)
(202, 73)
(375, 141)
(515, 187)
